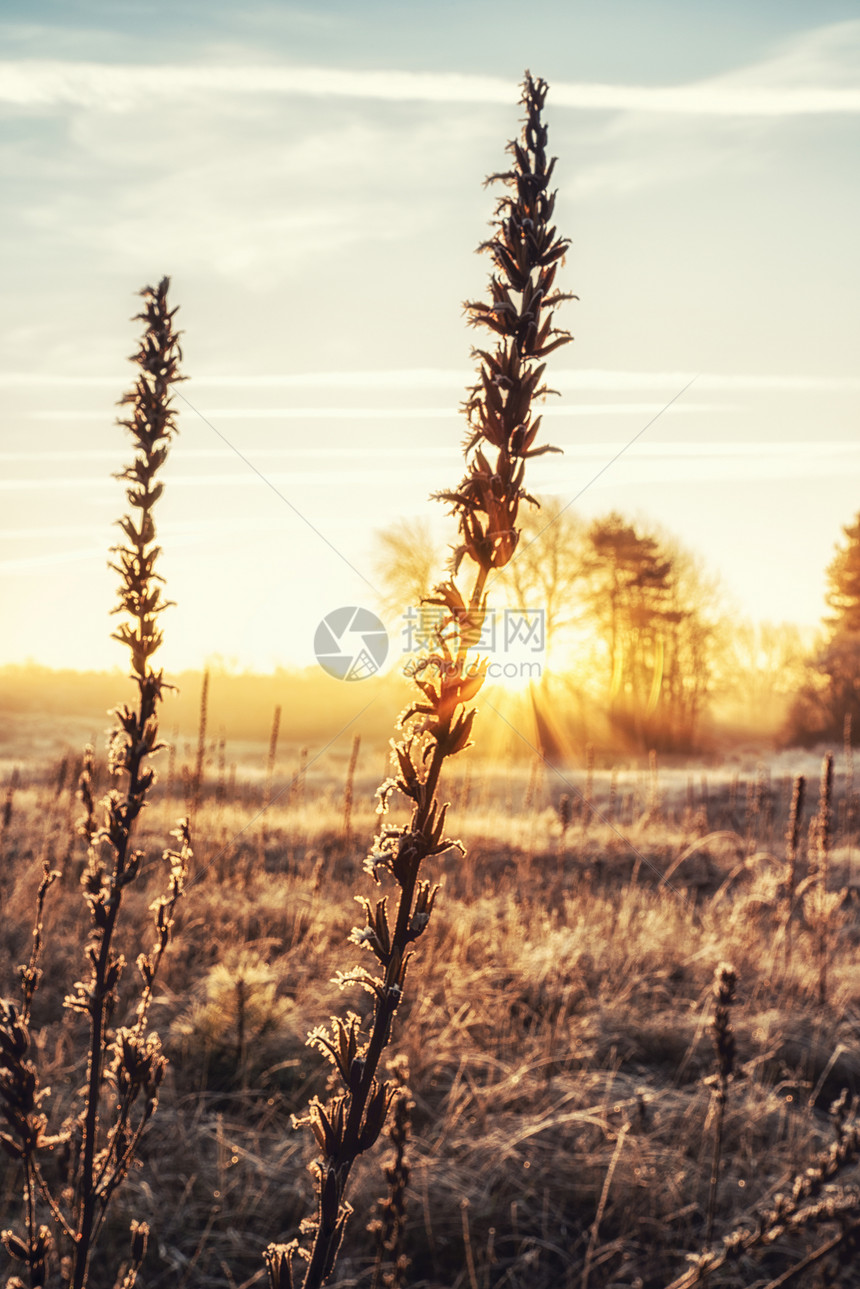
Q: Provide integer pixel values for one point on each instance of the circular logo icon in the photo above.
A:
(351, 643)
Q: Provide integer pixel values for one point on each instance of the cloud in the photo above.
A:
(710, 99)
(661, 462)
(255, 191)
(56, 380)
(51, 559)
(551, 410)
(119, 87)
(722, 450)
(809, 75)
(312, 163)
(182, 534)
(734, 382)
(706, 460)
(432, 378)
(57, 484)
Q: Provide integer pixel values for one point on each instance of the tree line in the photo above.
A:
(643, 646)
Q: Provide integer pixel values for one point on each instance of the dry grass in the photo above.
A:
(559, 1004)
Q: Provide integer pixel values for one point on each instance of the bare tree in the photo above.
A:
(548, 570)
(406, 562)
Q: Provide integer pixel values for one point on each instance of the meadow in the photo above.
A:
(624, 1055)
(556, 1042)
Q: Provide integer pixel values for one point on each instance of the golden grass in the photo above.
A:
(558, 1006)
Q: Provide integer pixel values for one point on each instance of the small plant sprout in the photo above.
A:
(501, 436)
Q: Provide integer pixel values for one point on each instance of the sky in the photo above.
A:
(311, 178)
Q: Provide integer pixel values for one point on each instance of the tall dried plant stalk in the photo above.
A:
(270, 776)
(502, 433)
(200, 764)
(792, 842)
(589, 783)
(819, 903)
(11, 787)
(348, 789)
(848, 804)
(725, 983)
(298, 784)
(125, 1064)
(272, 757)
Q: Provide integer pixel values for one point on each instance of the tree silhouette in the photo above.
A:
(549, 569)
(838, 662)
(654, 612)
(630, 585)
(763, 666)
(406, 562)
(843, 577)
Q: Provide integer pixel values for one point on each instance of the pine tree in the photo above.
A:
(657, 617)
(843, 576)
(631, 587)
(839, 661)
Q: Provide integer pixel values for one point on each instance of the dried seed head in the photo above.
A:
(152, 424)
(139, 1240)
(138, 1064)
(725, 981)
(525, 251)
(795, 815)
(279, 1264)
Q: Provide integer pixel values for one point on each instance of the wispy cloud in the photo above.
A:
(553, 410)
(55, 380)
(733, 382)
(724, 450)
(325, 477)
(709, 459)
(185, 453)
(183, 534)
(50, 559)
(49, 82)
(705, 463)
(432, 378)
(781, 86)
